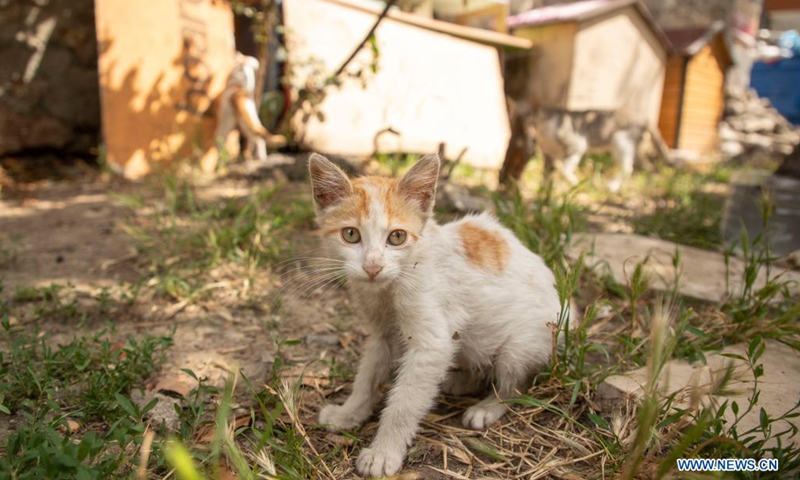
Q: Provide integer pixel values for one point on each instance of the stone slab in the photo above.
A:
(780, 385)
(702, 274)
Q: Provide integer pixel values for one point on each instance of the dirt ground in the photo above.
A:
(74, 232)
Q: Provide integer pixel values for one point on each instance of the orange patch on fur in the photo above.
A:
(483, 248)
(355, 207)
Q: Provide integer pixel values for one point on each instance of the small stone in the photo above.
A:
(322, 339)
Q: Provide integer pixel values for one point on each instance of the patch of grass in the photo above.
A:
(83, 383)
(186, 238)
(545, 224)
(687, 207)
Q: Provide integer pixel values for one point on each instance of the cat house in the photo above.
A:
(694, 96)
(592, 55)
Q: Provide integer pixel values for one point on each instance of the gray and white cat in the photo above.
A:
(453, 307)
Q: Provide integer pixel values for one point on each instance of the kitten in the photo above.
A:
(466, 294)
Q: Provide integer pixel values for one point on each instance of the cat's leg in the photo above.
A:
(574, 153)
(422, 370)
(464, 381)
(373, 370)
(510, 373)
(623, 149)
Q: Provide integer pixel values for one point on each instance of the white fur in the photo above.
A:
(431, 310)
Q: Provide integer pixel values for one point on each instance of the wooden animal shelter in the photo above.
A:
(594, 55)
(694, 96)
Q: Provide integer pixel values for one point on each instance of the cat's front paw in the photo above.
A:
(377, 462)
(480, 416)
(337, 417)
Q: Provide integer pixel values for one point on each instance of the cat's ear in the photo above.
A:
(419, 183)
(329, 184)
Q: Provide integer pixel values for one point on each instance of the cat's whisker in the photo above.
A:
(286, 265)
(314, 283)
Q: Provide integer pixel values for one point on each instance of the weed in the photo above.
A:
(545, 225)
(88, 380)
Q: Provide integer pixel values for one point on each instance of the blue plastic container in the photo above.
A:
(780, 83)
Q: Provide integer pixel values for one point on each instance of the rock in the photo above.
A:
(48, 84)
(322, 339)
(163, 412)
(750, 123)
(779, 387)
(703, 274)
(760, 130)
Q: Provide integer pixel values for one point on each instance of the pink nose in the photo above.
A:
(372, 270)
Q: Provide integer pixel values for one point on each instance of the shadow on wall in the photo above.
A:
(148, 124)
(161, 66)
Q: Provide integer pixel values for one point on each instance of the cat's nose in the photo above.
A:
(372, 270)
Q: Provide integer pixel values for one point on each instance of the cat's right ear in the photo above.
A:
(329, 184)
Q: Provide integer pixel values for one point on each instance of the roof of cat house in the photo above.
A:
(580, 11)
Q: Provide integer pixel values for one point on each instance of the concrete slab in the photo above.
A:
(702, 274)
(780, 388)
(744, 207)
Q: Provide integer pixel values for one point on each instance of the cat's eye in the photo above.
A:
(397, 238)
(351, 235)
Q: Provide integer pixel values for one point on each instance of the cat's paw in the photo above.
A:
(378, 462)
(614, 185)
(481, 415)
(336, 417)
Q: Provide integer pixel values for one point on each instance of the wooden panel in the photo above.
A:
(619, 64)
(430, 87)
(703, 102)
(162, 64)
(670, 100)
(773, 5)
(551, 59)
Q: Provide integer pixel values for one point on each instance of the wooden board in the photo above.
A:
(162, 63)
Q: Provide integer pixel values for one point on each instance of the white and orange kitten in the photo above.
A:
(458, 306)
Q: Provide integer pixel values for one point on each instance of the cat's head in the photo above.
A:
(372, 224)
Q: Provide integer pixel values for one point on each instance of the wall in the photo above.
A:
(619, 64)
(430, 87)
(48, 79)
(551, 64)
(162, 66)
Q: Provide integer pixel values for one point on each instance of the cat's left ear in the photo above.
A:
(419, 183)
(329, 184)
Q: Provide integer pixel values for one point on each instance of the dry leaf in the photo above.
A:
(176, 383)
(71, 426)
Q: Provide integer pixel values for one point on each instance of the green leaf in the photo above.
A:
(598, 420)
(126, 405)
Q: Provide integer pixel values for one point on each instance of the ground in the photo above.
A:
(184, 306)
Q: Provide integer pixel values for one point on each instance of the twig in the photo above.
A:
(144, 455)
(389, 5)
